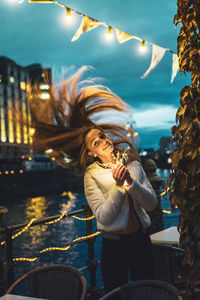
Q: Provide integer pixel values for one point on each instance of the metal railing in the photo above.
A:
(7, 267)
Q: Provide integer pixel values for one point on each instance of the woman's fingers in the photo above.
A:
(119, 172)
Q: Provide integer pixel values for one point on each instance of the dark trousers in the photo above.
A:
(130, 255)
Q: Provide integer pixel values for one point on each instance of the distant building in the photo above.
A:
(41, 77)
(15, 133)
(165, 145)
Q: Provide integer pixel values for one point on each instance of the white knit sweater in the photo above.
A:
(109, 202)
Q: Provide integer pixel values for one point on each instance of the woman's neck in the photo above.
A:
(108, 159)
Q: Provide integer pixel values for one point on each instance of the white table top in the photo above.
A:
(166, 236)
(15, 297)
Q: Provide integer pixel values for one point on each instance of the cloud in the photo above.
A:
(161, 117)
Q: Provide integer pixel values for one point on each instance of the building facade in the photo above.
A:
(15, 130)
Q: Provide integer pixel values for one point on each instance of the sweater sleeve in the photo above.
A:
(104, 207)
(142, 191)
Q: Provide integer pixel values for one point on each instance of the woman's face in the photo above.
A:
(98, 144)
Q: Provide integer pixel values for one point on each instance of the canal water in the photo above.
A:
(60, 234)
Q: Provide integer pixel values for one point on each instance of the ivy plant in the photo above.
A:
(185, 177)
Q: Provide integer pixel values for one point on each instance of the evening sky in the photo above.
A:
(37, 33)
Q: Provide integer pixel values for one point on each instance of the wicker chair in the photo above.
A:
(143, 290)
(167, 263)
(56, 282)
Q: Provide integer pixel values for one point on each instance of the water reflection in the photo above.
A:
(36, 208)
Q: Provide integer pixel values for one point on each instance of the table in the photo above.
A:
(15, 297)
(166, 236)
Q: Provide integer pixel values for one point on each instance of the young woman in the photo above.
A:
(116, 187)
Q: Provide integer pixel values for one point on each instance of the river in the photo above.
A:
(59, 234)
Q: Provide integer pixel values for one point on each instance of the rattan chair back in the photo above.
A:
(55, 282)
(143, 290)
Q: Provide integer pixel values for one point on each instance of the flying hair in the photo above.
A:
(62, 122)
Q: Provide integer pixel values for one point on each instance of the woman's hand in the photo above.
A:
(120, 174)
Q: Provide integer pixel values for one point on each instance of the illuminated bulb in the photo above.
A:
(32, 131)
(68, 17)
(127, 127)
(143, 47)
(20, 1)
(109, 34)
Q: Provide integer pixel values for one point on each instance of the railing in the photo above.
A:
(10, 263)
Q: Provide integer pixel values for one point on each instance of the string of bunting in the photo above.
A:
(89, 23)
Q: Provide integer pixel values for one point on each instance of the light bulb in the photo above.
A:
(142, 47)
(109, 34)
(20, 1)
(68, 17)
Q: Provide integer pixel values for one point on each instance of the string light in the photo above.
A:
(68, 17)
(20, 259)
(58, 219)
(83, 238)
(109, 34)
(166, 211)
(55, 249)
(143, 47)
(83, 219)
(21, 231)
(89, 23)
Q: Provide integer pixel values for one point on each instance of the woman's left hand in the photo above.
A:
(120, 174)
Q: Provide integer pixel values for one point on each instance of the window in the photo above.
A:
(22, 85)
(12, 79)
(44, 96)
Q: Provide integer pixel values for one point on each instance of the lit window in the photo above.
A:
(31, 131)
(44, 86)
(22, 85)
(12, 79)
(10, 123)
(25, 129)
(44, 96)
(2, 122)
(17, 126)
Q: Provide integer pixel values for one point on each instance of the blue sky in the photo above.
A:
(37, 33)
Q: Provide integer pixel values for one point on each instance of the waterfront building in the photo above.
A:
(166, 146)
(15, 132)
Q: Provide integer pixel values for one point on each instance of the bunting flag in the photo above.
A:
(157, 55)
(124, 37)
(87, 24)
(175, 66)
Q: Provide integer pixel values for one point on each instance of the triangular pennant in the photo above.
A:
(87, 24)
(122, 36)
(175, 66)
(157, 55)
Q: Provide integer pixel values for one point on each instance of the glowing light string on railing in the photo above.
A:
(64, 214)
(89, 23)
(21, 231)
(46, 223)
(51, 249)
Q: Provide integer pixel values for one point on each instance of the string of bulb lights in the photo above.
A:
(109, 34)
